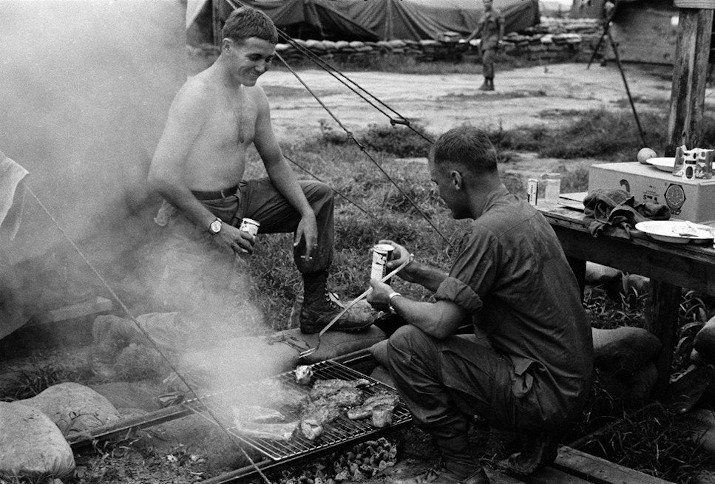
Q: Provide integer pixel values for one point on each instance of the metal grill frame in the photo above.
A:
(340, 431)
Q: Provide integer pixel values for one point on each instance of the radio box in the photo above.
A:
(692, 200)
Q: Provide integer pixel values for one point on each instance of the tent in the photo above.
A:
(646, 31)
(377, 20)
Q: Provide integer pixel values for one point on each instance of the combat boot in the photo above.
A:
(490, 84)
(458, 465)
(537, 451)
(320, 307)
(485, 85)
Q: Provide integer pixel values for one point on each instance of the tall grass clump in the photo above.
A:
(599, 133)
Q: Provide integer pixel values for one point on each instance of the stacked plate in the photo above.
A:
(677, 231)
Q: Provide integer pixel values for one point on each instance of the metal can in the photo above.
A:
(380, 255)
(250, 226)
(532, 191)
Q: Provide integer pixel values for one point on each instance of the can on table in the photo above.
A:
(250, 226)
(532, 191)
(380, 255)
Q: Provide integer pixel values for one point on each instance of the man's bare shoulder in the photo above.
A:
(196, 93)
(256, 93)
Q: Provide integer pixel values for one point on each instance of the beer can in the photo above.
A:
(380, 255)
(532, 191)
(250, 226)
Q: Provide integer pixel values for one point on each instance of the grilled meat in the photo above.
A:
(365, 410)
(310, 429)
(270, 431)
(382, 415)
(321, 411)
(256, 414)
(303, 374)
(324, 388)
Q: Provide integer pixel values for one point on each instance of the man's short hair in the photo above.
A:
(245, 22)
(467, 147)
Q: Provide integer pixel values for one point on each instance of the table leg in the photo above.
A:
(578, 266)
(662, 321)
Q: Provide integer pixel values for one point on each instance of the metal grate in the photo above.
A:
(335, 433)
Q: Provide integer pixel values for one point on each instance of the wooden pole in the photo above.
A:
(216, 21)
(690, 69)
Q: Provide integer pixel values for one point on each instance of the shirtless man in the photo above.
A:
(200, 160)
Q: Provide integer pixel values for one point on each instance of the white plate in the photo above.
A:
(663, 164)
(676, 231)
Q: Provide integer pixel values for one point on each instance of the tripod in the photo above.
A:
(607, 34)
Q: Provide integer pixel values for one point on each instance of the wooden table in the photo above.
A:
(669, 266)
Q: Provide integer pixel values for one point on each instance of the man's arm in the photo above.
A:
(477, 31)
(501, 22)
(439, 319)
(186, 118)
(282, 176)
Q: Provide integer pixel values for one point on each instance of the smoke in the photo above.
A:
(84, 91)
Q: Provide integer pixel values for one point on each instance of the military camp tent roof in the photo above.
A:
(381, 19)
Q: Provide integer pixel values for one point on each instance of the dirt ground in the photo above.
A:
(526, 96)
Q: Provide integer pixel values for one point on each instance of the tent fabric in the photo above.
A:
(388, 19)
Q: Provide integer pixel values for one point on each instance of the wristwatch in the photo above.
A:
(390, 297)
(215, 226)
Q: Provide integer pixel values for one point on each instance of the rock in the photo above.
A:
(633, 390)
(623, 351)
(31, 445)
(74, 408)
(704, 342)
(704, 429)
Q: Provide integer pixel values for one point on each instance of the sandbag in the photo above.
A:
(704, 342)
(74, 408)
(31, 445)
(623, 351)
(633, 390)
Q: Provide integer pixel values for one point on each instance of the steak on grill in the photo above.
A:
(366, 409)
(269, 431)
(325, 388)
(257, 414)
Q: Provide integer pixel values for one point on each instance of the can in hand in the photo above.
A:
(532, 191)
(250, 226)
(381, 253)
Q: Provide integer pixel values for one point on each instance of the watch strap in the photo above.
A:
(390, 297)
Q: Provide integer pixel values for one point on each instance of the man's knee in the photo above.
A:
(317, 191)
(407, 342)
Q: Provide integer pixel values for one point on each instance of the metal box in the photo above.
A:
(692, 200)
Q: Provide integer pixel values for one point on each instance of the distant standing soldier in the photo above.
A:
(491, 28)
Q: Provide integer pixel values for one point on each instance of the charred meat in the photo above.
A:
(325, 388)
(271, 431)
(365, 410)
(256, 414)
(303, 374)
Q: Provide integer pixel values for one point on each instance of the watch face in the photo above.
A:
(215, 226)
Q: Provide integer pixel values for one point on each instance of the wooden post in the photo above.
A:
(216, 21)
(687, 99)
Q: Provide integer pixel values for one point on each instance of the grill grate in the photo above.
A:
(335, 433)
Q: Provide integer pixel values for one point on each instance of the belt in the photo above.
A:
(209, 195)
